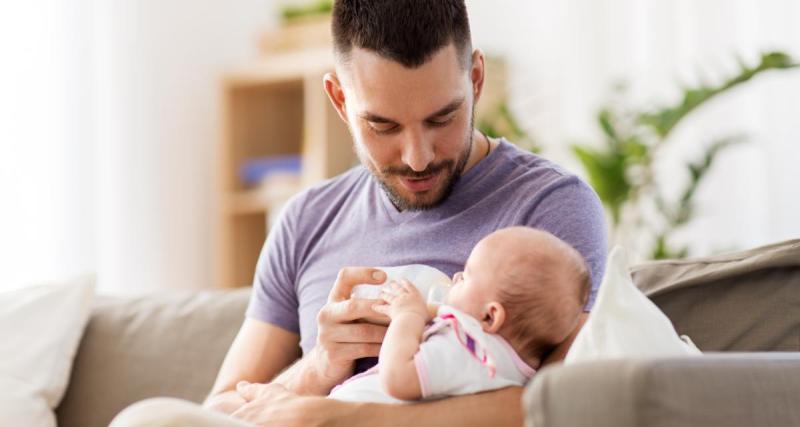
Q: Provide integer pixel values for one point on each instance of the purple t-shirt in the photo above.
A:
(349, 221)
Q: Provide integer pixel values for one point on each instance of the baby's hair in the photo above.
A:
(544, 299)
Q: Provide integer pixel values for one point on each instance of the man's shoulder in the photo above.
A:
(331, 192)
(354, 178)
(531, 172)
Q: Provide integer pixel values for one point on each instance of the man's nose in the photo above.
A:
(417, 151)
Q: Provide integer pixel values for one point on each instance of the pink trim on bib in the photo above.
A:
(523, 367)
(477, 349)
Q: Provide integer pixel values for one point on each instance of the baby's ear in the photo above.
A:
(493, 317)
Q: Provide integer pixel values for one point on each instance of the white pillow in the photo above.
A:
(40, 327)
(624, 323)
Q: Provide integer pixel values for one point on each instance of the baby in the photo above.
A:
(520, 295)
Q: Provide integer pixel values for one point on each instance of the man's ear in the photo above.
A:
(477, 74)
(493, 317)
(333, 88)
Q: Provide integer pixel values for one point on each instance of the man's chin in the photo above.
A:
(417, 201)
(418, 196)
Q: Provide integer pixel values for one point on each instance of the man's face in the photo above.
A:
(412, 128)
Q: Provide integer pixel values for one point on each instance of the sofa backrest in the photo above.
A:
(173, 345)
(743, 301)
(159, 345)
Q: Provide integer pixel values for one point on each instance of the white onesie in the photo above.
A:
(455, 357)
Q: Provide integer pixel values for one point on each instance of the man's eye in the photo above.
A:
(383, 128)
(440, 123)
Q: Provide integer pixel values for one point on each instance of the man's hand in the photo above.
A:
(341, 338)
(227, 403)
(404, 298)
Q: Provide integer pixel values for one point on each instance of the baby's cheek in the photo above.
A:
(453, 299)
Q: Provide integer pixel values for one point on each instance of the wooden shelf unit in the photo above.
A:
(274, 107)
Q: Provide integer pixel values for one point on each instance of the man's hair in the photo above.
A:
(406, 31)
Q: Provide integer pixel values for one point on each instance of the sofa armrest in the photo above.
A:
(718, 389)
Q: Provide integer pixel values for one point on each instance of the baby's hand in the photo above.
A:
(403, 298)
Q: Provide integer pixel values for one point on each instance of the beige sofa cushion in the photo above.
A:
(743, 301)
(159, 345)
(717, 390)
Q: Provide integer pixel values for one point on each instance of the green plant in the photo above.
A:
(500, 121)
(621, 169)
(316, 8)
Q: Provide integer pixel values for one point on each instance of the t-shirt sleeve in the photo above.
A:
(274, 296)
(571, 211)
(446, 368)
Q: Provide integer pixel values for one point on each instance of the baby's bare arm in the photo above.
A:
(397, 371)
(409, 314)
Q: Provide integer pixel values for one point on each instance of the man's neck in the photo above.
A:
(481, 147)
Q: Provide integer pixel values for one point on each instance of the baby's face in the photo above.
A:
(473, 288)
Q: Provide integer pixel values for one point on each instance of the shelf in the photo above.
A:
(262, 121)
(247, 202)
(273, 193)
(281, 68)
(274, 107)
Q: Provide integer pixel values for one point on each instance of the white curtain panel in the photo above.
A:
(45, 141)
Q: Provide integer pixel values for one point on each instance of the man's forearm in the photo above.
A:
(302, 380)
(498, 407)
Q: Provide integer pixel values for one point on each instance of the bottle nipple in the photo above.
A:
(437, 295)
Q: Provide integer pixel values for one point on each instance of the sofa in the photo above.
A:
(742, 309)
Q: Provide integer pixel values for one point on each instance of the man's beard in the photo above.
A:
(451, 170)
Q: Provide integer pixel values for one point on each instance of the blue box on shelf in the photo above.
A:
(253, 171)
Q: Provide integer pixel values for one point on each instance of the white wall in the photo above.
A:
(109, 121)
(566, 55)
(158, 68)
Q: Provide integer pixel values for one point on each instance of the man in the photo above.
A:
(428, 189)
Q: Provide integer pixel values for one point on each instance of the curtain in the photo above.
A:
(45, 141)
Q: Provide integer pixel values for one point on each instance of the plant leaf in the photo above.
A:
(607, 173)
(664, 120)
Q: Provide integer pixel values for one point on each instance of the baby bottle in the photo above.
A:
(437, 295)
(431, 283)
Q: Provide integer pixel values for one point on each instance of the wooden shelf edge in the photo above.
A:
(260, 200)
(282, 68)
